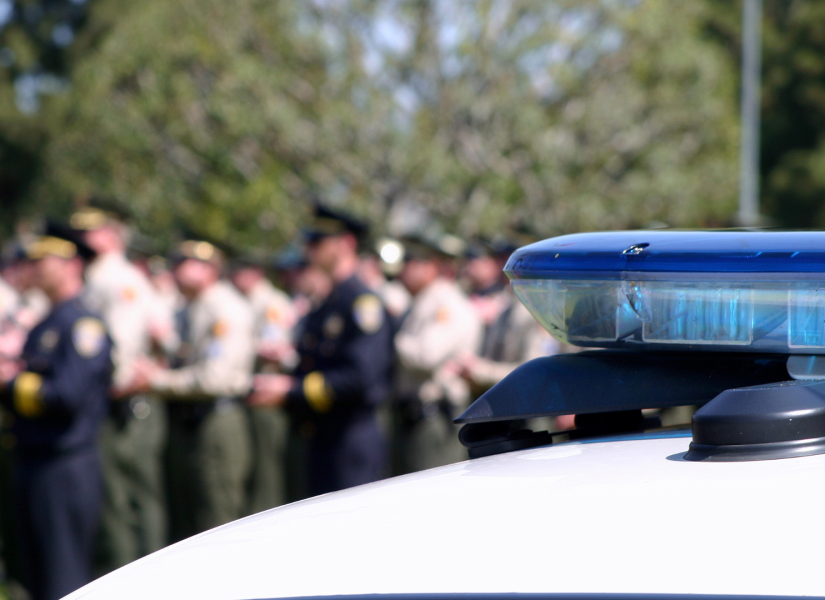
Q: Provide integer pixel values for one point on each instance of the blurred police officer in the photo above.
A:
(31, 305)
(133, 437)
(23, 306)
(9, 299)
(440, 327)
(12, 335)
(274, 322)
(385, 260)
(209, 446)
(511, 335)
(345, 353)
(483, 279)
(58, 394)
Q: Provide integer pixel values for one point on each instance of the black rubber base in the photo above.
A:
(761, 422)
(746, 452)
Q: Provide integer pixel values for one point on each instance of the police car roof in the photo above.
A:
(620, 516)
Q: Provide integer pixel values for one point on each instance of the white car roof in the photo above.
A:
(621, 516)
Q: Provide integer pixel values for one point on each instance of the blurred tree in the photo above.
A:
(793, 104)
(568, 115)
(226, 117)
(219, 118)
(34, 40)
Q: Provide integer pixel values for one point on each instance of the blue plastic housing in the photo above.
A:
(727, 290)
(766, 254)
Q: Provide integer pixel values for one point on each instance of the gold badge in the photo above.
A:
(128, 294)
(89, 337)
(333, 326)
(368, 313)
(273, 315)
(49, 340)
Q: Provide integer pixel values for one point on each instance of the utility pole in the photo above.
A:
(751, 85)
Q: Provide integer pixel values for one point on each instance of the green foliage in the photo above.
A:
(224, 118)
(793, 104)
(33, 59)
(633, 122)
(181, 110)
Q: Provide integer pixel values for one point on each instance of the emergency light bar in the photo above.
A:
(757, 291)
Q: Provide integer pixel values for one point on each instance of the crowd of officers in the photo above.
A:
(150, 399)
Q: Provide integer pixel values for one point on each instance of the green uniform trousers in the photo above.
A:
(209, 462)
(431, 441)
(11, 551)
(133, 519)
(267, 484)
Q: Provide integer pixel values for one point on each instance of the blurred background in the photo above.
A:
(225, 118)
(496, 122)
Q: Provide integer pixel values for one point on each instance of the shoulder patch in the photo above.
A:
(220, 329)
(89, 337)
(368, 313)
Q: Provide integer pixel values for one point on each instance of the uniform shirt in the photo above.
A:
(120, 293)
(219, 348)
(512, 339)
(61, 397)
(440, 326)
(274, 316)
(345, 351)
(19, 313)
(33, 307)
(9, 301)
(397, 300)
(12, 336)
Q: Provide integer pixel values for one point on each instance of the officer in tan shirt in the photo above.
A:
(133, 437)
(274, 323)
(209, 445)
(511, 335)
(440, 327)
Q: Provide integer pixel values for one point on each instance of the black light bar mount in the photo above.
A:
(617, 384)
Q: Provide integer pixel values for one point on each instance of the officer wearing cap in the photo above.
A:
(440, 327)
(58, 394)
(209, 446)
(345, 351)
(274, 321)
(24, 307)
(275, 316)
(511, 335)
(133, 437)
(18, 271)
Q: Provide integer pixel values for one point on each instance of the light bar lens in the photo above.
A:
(758, 316)
(806, 327)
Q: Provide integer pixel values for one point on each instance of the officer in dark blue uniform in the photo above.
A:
(346, 355)
(58, 394)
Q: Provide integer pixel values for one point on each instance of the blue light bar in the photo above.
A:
(726, 290)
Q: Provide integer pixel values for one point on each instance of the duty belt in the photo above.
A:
(194, 411)
(123, 411)
(412, 410)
